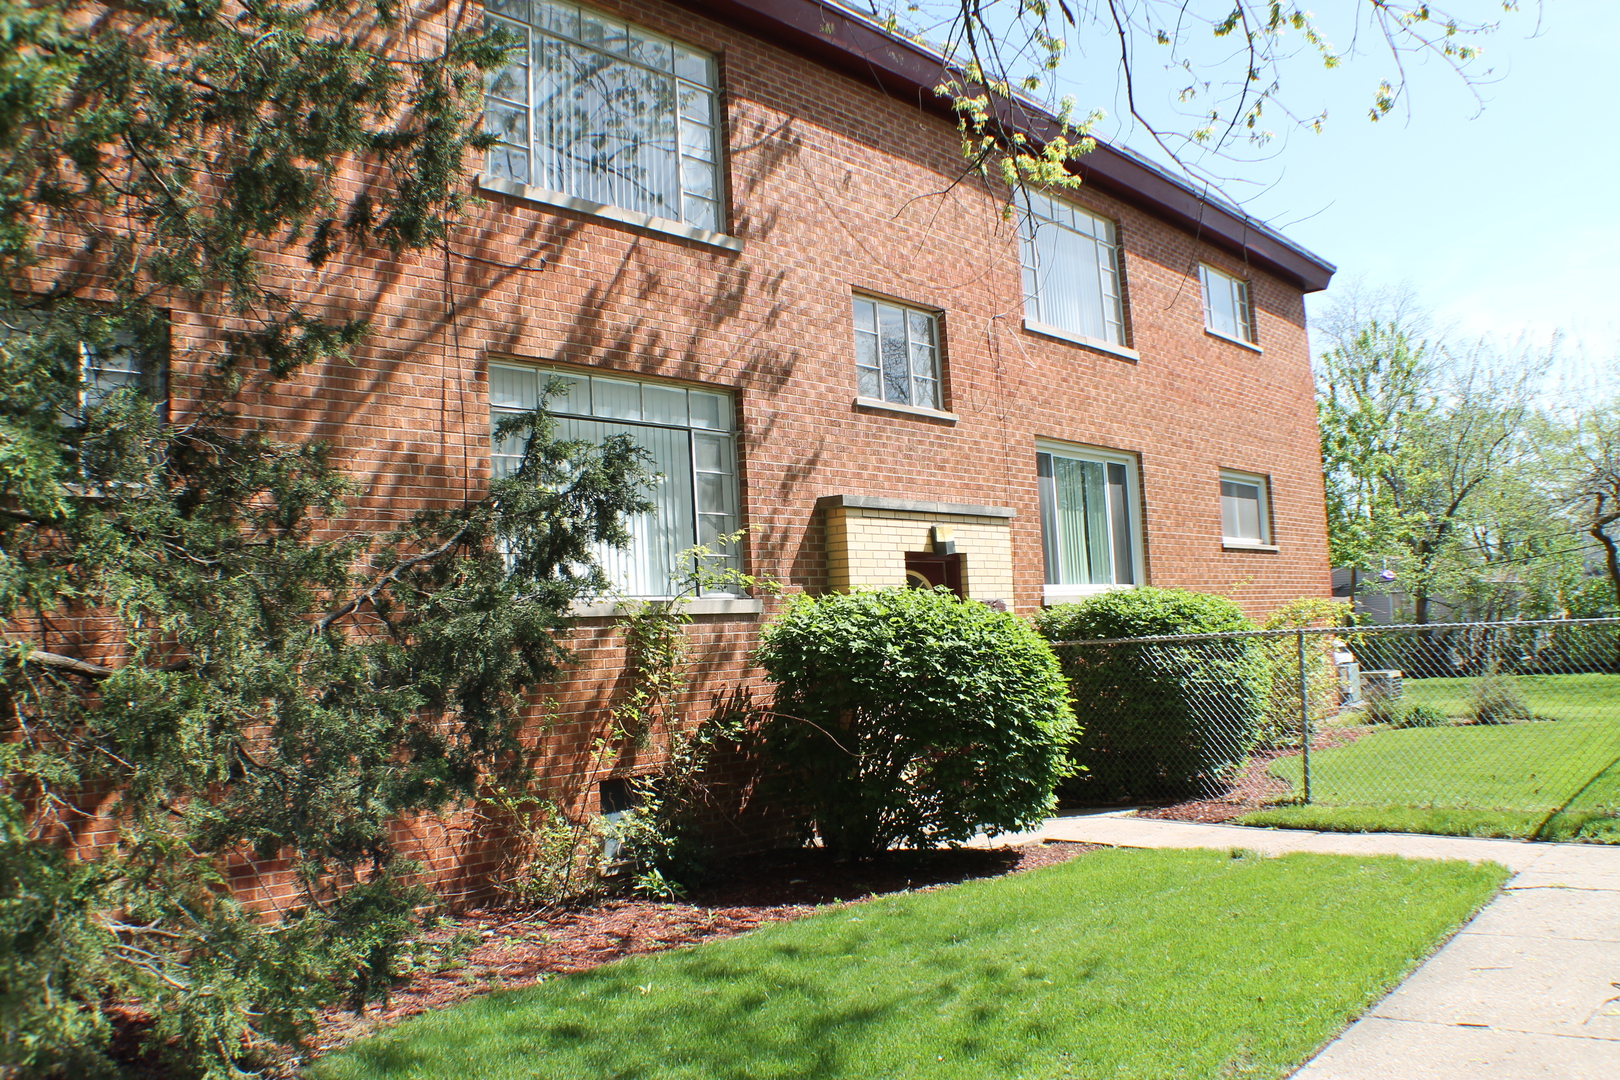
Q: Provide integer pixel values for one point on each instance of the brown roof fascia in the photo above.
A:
(839, 39)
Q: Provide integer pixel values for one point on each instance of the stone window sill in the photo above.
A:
(906, 410)
(707, 605)
(610, 213)
(1094, 344)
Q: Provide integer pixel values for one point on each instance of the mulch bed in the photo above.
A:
(518, 948)
(1254, 787)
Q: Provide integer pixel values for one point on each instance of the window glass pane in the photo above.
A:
(711, 453)
(663, 404)
(701, 213)
(514, 387)
(516, 9)
(620, 400)
(559, 18)
(1049, 525)
(1120, 507)
(927, 393)
(693, 65)
(710, 410)
(893, 347)
(869, 381)
(865, 315)
(651, 50)
(1240, 511)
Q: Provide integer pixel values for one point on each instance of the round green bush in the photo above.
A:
(1162, 720)
(910, 718)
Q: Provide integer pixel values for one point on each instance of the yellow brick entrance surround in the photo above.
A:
(868, 537)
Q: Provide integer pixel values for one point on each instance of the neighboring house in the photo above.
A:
(740, 231)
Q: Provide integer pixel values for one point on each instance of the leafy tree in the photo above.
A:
(1198, 76)
(1419, 447)
(1578, 458)
(211, 644)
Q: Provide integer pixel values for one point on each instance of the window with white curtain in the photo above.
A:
(603, 111)
(1071, 270)
(1089, 523)
(1245, 517)
(688, 434)
(896, 354)
(1226, 305)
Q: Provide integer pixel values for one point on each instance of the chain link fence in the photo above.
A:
(1476, 728)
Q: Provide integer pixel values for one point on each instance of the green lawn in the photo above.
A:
(1144, 964)
(1558, 697)
(1550, 779)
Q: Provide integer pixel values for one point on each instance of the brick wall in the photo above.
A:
(833, 188)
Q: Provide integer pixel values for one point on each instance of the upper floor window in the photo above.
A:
(603, 111)
(1226, 305)
(687, 434)
(1088, 519)
(1071, 270)
(896, 354)
(1245, 517)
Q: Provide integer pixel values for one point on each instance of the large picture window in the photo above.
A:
(688, 434)
(1088, 519)
(603, 111)
(1071, 271)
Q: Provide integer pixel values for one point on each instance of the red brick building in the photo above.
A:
(741, 231)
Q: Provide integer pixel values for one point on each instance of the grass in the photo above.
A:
(1126, 964)
(1556, 778)
(1556, 697)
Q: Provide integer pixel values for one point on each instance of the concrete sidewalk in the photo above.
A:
(1529, 988)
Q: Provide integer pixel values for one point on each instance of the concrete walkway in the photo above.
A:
(1529, 988)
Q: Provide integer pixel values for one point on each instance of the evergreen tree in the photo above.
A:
(210, 644)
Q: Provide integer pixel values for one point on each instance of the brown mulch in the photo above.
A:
(517, 948)
(1254, 787)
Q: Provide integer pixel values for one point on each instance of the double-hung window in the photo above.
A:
(1226, 305)
(1245, 517)
(1089, 523)
(686, 432)
(896, 354)
(1071, 271)
(601, 111)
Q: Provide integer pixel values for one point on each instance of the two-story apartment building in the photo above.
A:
(742, 232)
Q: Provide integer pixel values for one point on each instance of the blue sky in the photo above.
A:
(1501, 218)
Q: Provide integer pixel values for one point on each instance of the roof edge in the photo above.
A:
(841, 39)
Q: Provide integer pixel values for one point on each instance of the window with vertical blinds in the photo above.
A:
(688, 435)
(601, 110)
(1071, 270)
(1088, 518)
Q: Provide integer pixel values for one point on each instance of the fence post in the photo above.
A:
(1304, 719)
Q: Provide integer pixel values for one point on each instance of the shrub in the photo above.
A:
(1495, 700)
(1417, 716)
(909, 717)
(1280, 725)
(1158, 720)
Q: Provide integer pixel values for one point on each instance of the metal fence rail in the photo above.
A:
(1511, 722)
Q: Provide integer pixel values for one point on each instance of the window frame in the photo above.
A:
(935, 319)
(1242, 295)
(1105, 238)
(1058, 592)
(712, 149)
(1262, 485)
(725, 414)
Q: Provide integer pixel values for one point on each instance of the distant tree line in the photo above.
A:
(1460, 476)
